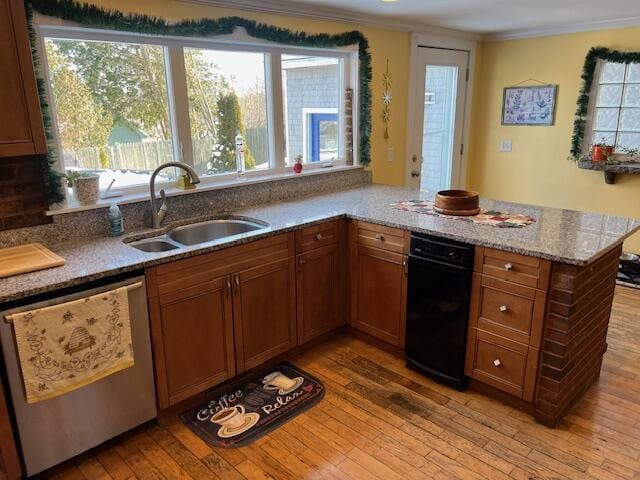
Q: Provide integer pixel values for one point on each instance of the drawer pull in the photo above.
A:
(497, 362)
(318, 236)
(503, 308)
(380, 237)
(508, 267)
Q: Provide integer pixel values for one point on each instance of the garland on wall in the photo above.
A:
(588, 72)
(95, 16)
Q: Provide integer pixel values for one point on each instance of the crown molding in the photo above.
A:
(565, 29)
(340, 15)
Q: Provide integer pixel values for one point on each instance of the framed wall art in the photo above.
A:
(532, 105)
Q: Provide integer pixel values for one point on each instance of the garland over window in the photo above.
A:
(588, 72)
(97, 17)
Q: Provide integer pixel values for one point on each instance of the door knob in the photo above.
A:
(503, 308)
(497, 362)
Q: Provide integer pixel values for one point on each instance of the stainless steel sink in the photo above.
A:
(196, 233)
(153, 245)
(212, 230)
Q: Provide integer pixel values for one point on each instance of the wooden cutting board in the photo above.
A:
(27, 258)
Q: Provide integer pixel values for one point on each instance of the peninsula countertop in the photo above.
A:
(565, 236)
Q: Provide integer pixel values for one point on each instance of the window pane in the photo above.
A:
(608, 138)
(630, 120)
(631, 96)
(628, 140)
(606, 119)
(112, 108)
(633, 73)
(311, 93)
(609, 96)
(613, 73)
(227, 104)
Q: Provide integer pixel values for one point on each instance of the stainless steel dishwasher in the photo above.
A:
(57, 429)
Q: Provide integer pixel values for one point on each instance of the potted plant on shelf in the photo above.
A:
(601, 152)
(85, 186)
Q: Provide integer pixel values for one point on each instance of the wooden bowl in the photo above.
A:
(457, 202)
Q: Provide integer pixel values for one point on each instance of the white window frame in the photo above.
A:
(47, 27)
(587, 139)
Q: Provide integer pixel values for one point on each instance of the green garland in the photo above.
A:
(53, 192)
(94, 16)
(588, 71)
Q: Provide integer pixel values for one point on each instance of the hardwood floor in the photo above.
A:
(382, 421)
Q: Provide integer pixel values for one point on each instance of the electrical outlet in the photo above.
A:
(390, 154)
(505, 146)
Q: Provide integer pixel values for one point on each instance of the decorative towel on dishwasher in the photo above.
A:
(67, 346)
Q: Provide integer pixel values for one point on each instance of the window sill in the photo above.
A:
(71, 205)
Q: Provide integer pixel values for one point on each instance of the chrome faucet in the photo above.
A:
(158, 215)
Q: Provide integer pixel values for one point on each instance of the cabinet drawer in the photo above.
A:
(506, 314)
(317, 236)
(379, 236)
(520, 269)
(499, 366)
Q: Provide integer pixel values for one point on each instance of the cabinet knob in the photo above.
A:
(497, 362)
(318, 236)
(301, 260)
(503, 308)
(228, 284)
(237, 280)
(380, 237)
(508, 267)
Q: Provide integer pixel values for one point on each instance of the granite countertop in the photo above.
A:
(565, 236)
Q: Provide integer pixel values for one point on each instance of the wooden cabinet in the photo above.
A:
(264, 307)
(379, 281)
(506, 319)
(218, 314)
(9, 462)
(21, 128)
(196, 325)
(318, 292)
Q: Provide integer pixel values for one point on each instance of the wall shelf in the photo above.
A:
(611, 170)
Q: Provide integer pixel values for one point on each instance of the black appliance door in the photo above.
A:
(437, 311)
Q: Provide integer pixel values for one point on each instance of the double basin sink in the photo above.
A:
(198, 233)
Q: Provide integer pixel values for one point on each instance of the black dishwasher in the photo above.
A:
(439, 290)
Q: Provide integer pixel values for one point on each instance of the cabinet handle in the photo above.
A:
(497, 362)
(503, 308)
(318, 236)
(380, 237)
(508, 267)
(405, 265)
(228, 284)
(238, 281)
(301, 260)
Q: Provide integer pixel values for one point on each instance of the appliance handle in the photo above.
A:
(7, 315)
(426, 261)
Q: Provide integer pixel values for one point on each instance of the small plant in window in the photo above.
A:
(601, 152)
(85, 185)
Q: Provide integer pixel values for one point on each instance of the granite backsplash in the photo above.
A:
(136, 216)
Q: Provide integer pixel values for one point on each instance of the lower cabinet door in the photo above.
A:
(318, 285)
(379, 298)
(264, 306)
(197, 339)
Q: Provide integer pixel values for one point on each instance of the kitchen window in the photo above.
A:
(122, 104)
(615, 116)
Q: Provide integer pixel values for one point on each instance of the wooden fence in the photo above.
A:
(146, 156)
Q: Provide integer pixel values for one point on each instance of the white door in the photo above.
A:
(435, 161)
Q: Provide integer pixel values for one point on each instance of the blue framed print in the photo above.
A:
(529, 105)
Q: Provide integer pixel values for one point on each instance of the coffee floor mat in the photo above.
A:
(235, 417)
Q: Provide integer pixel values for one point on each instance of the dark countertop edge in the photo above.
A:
(179, 255)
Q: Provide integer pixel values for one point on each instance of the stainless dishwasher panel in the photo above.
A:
(57, 429)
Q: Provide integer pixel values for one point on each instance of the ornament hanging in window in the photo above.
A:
(386, 100)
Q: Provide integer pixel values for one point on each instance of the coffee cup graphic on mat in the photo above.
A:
(280, 382)
(234, 421)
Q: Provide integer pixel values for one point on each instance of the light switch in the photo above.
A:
(505, 146)
(390, 154)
